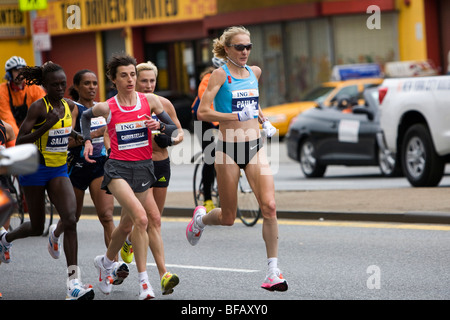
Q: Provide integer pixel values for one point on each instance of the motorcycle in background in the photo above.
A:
(19, 160)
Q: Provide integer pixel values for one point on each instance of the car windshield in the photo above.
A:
(318, 94)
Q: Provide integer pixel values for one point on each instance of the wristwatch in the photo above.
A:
(162, 126)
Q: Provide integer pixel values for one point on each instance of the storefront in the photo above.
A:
(443, 30)
(298, 45)
(85, 33)
(296, 42)
(15, 38)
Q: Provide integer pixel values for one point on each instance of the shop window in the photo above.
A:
(267, 53)
(307, 59)
(355, 43)
(163, 72)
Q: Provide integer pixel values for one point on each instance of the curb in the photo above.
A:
(407, 217)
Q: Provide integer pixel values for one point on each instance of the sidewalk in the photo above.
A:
(421, 205)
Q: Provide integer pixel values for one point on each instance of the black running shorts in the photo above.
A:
(138, 174)
(162, 173)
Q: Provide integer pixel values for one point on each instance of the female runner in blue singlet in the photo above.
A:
(84, 175)
(234, 90)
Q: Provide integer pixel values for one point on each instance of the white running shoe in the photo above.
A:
(193, 231)
(275, 281)
(119, 272)
(53, 246)
(104, 277)
(77, 291)
(145, 291)
(5, 256)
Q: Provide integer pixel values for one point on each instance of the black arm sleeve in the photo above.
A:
(169, 125)
(86, 124)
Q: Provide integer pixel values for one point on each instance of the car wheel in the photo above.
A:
(389, 166)
(308, 161)
(421, 165)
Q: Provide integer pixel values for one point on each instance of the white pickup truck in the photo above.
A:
(415, 126)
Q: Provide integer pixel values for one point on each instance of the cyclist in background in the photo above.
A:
(6, 135)
(15, 96)
(208, 139)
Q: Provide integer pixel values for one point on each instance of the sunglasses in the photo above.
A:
(241, 47)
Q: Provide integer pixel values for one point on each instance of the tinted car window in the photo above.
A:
(350, 91)
(318, 94)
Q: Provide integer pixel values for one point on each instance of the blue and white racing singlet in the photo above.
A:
(236, 93)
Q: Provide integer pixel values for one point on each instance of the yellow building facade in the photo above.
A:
(296, 41)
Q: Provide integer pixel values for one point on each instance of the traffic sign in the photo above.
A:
(28, 5)
(41, 37)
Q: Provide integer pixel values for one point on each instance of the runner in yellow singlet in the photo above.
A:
(53, 143)
(48, 124)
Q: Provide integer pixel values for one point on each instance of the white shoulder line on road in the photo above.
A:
(325, 223)
(202, 268)
(343, 223)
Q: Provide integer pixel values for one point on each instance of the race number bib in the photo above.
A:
(241, 98)
(58, 139)
(97, 123)
(131, 135)
(156, 119)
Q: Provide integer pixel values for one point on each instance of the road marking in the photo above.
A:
(325, 223)
(202, 268)
(345, 224)
(352, 224)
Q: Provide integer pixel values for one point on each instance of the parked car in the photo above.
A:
(414, 126)
(326, 94)
(342, 135)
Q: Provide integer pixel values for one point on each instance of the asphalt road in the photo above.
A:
(322, 260)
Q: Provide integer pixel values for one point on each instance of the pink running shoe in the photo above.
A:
(194, 232)
(275, 282)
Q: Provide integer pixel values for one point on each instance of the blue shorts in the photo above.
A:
(43, 175)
